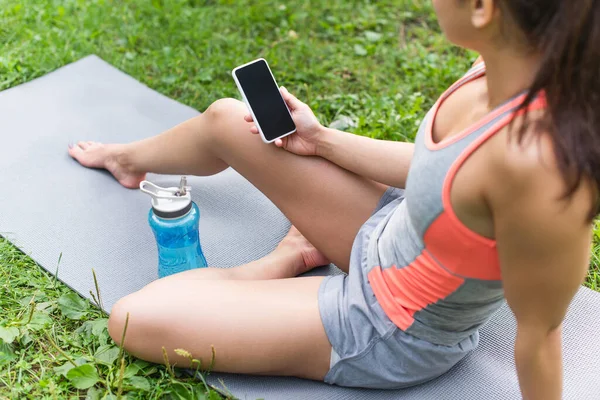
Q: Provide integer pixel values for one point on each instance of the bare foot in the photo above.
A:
(106, 156)
(308, 257)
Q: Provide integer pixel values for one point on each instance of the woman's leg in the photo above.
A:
(257, 323)
(293, 256)
(256, 327)
(327, 203)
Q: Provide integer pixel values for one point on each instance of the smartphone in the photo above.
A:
(257, 85)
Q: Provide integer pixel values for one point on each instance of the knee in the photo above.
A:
(224, 108)
(125, 312)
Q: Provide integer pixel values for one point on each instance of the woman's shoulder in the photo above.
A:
(525, 163)
(528, 148)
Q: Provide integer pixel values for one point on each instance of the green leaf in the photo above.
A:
(140, 383)
(169, 79)
(8, 335)
(343, 122)
(67, 366)
(180, 392)
(6, 353)
(63, 369)
(205, 77)
(25, 339)
(93, 394)
(46, 307)
(83, 377)
(39, 320)
(106, 354)
(72, 306)
(98, 326)
(213, 395)
(373, 36)
(145, 367)
(200, 395)
(359, 50)
(141, 364)
(130, 370)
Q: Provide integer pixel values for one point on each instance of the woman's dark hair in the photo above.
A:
(567, 35)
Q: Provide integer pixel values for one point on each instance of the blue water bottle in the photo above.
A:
(174, 219)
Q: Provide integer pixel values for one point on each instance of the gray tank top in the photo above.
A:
(435, 278)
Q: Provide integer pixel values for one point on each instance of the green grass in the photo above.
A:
(382, 64)
(40, 316)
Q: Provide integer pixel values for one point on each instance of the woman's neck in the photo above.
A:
(508, 75)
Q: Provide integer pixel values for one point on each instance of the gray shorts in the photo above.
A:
(369, 350)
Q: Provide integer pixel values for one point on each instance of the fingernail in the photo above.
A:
(70, 145)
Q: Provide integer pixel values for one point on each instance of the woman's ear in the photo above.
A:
(483, 12)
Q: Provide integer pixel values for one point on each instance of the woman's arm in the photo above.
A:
(380, 160)
(383, 161)
(544, 245)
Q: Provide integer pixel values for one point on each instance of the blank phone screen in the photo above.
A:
(264, 98)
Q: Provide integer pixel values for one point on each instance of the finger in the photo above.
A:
(279, 143)
(248, 118)
(254, 129)
(83, 145)
(290, 99)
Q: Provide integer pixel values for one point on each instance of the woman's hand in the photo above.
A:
(308, 129)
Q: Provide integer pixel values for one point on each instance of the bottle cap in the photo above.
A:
(172, 202)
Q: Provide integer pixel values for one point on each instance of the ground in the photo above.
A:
(372, 68)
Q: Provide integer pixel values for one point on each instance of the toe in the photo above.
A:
(79, 153)
(74, 150)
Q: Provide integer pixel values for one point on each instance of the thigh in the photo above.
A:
(256, 327)
(327, 203)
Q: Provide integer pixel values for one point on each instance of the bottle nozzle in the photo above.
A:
(172, 193)
(168, 202)
(183, 186)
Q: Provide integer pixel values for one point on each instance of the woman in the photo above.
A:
(500, 189)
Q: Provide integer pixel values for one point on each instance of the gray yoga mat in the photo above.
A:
(50, 205)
